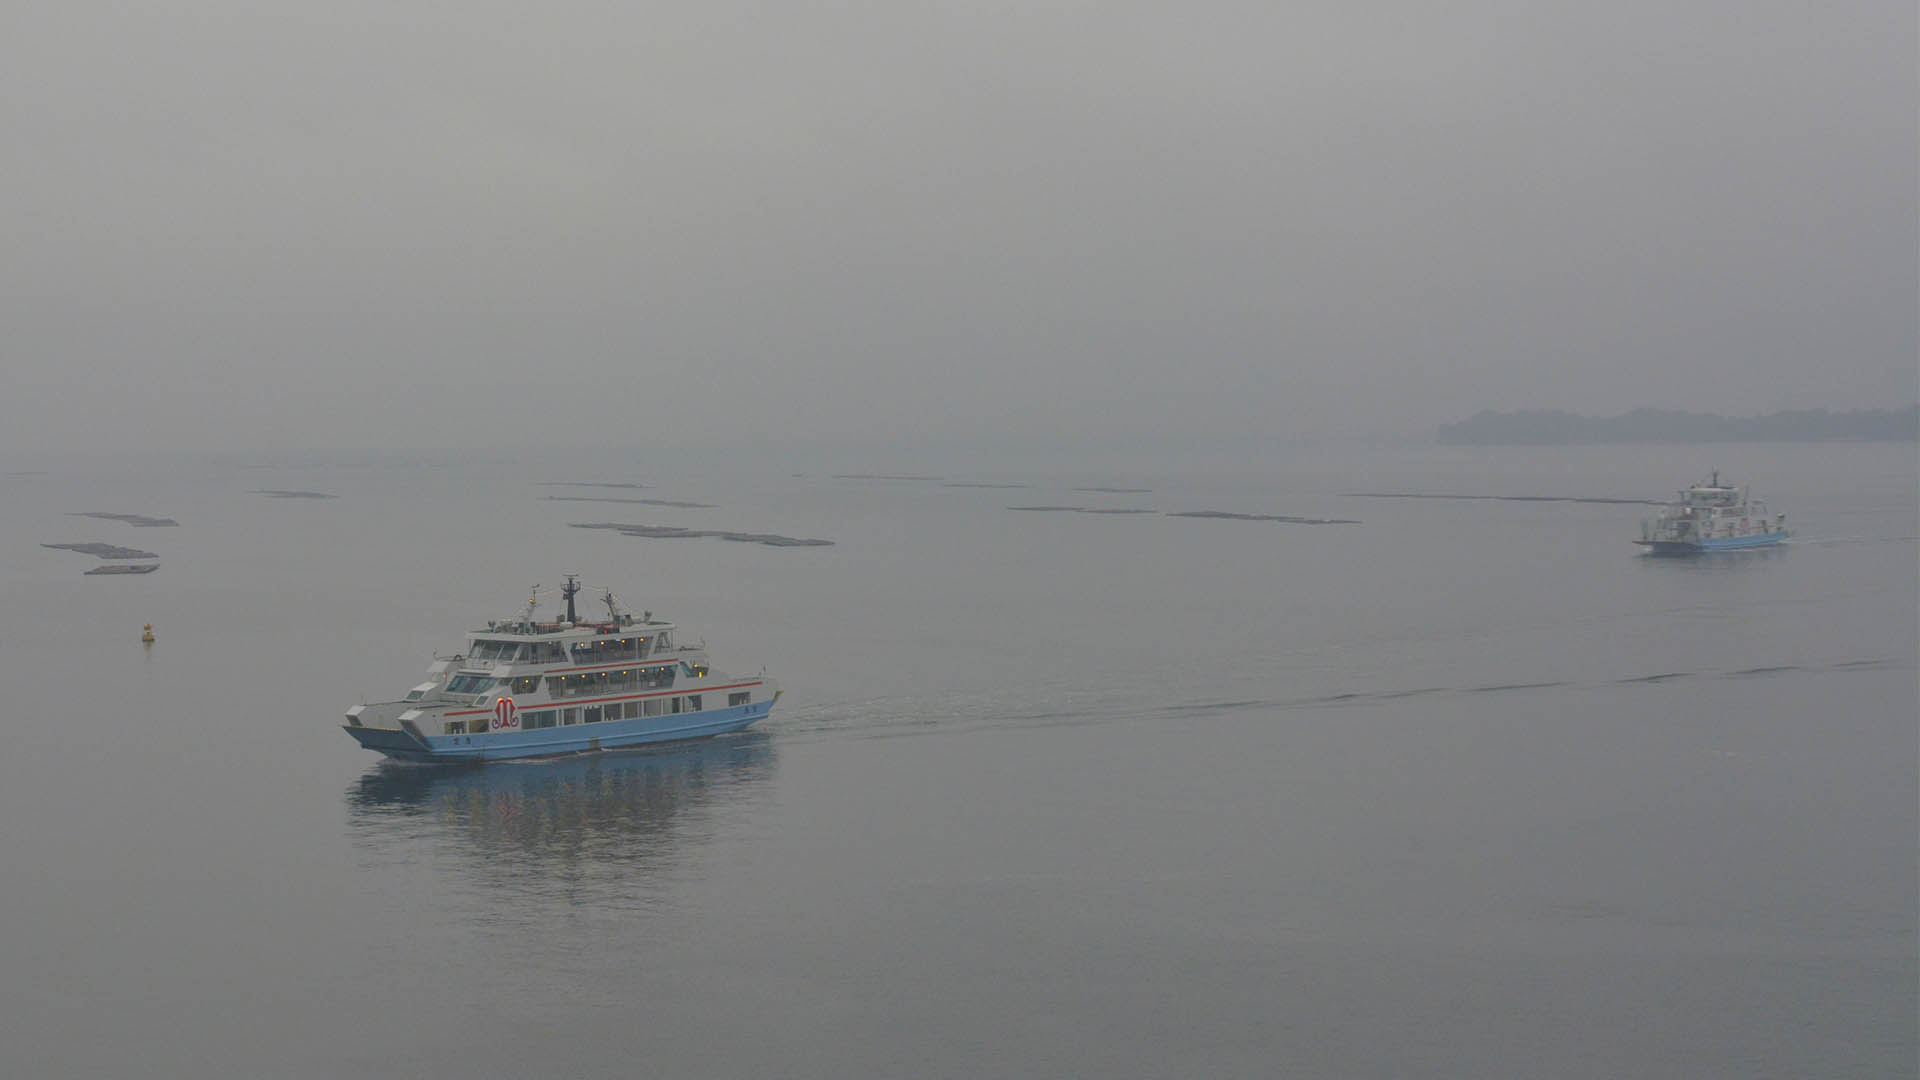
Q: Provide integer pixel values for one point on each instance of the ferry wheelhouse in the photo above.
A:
(1712, 517)
(527, 689)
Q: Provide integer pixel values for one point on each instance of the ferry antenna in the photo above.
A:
(613, 606)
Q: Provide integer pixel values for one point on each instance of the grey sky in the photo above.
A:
(429, 224)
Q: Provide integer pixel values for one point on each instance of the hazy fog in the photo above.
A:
(407, 224)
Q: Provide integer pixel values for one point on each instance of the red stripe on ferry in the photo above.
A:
(570, 702)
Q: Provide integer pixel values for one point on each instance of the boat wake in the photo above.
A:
(895, 717)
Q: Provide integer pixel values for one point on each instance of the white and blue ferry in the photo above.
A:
(528, 689)
(1712, 517)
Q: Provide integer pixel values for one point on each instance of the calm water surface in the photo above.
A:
(1466, 789)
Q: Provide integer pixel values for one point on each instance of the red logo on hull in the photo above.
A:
(506, 715)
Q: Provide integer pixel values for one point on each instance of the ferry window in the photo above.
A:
(569, 685)
(643, 648)
(651, 706)
(526, 684)
(603, 651)
(693, 702)
(416, 695)
(572, 716)
(496, 650)
(546, 652)
(676, 705)
(633, 709)
(469, 684)
(543, 718)
(593, 714)
(738, 699)
(663, 642)
(456, 727)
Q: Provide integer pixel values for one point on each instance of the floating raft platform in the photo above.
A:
(682, 504)
(138, 521)
(105, 551)
(668, 532)
(1226, 516)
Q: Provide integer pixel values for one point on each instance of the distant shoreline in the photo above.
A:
(1552, 427)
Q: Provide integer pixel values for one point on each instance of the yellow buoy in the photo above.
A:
(146, 636)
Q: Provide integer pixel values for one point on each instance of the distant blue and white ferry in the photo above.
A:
(1712, 517)
(527, 689)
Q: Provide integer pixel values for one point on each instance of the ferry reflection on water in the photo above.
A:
(608, 807)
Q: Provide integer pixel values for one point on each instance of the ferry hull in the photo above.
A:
(1718, 543)
(553, 742)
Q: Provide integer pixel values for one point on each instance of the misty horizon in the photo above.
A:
(257, 230)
